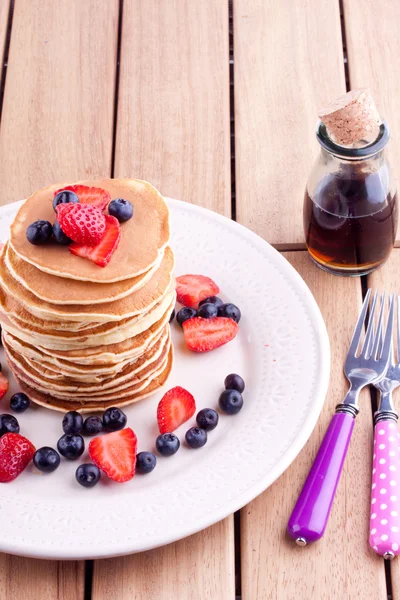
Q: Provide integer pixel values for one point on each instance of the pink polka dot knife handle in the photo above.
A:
(385, 496)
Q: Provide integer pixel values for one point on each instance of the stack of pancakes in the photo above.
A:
(82, 337)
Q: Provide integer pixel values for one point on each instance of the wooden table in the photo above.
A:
(218, 110)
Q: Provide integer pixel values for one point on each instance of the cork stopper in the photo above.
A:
(352, 118)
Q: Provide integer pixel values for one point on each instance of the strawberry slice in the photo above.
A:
(115, 454)
(203, 335)
(16, 452)
(102, 253)
(89, 195)
(192, 289)
(82, 223)
(3, 386)
(175, 408)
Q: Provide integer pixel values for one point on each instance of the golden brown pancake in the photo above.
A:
(143, 237)
(57, 291)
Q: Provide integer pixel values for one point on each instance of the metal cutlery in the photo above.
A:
(309, 518)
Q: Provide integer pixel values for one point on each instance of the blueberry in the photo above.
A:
(196, 437)
(234, 382)
(19, 402)
(92, 426)
(71, 446)
(207, 311)
(72, 422)
(230, 311)
(39, 232)
(46, 459)
(121, 209)
(212, 300)
(207, 419)
(172, 317)
(184, 314)
(230, 402)
(87, 475)
(167, 444)
(59, 236)
(114, 419)
(65, 197)
(8, 424)
(145, 462)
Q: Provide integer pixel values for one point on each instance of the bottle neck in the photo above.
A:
(356, 152)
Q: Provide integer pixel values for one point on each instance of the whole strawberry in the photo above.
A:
(16, 452)
(82, 223)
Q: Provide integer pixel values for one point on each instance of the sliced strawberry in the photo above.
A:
(203, 335)
(192, 289)
(89, 195)
(175, 408)
(82, 223)
(3, 386)
(16, 452)
(115, 454)
(102, 253)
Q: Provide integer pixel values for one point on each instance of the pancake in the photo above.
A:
(91, 406)
(138, 302)
(143, 237)
(57, 291)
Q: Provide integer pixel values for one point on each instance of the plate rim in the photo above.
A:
(264, 482)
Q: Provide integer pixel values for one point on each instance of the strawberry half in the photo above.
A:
(16, 452)
(102, 253)
(203, 335)
(82, 223)
(192, 289)
(115, 454)
(89, 195)
(175, 408)
(3, 386)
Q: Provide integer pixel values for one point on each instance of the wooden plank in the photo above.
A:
(4, 13)
(200, 566)
(373, 60)
(58, 108)
(57, 124)
(173, 110)
(287, 61)
(388, 278)
(173, 130)
(340, 565)
(40, 580)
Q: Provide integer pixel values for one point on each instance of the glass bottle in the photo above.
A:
(350, 206)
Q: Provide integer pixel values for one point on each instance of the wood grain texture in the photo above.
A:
(173, 110)
(288, 60)
(4, 13)
(200, 566)
(388, 279)
(58, 108)
(22, 578)
(340, 565)
(373, 59)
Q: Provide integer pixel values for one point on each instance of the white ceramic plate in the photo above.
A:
(282, 352)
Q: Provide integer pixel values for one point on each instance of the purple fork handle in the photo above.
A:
(308, 520)
(385, 495)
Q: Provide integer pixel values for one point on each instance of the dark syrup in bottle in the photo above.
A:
(350, 222)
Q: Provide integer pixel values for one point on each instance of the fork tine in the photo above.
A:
(370, 328)
(355, 340)
(377, 347)
(387, 344)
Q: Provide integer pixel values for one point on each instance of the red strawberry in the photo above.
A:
(175, 408)
(192, 289)
(3, 386)
(82, 223)
(102, 253)
(203, 335)
(16, 452)
(115, 454)
(89, 195)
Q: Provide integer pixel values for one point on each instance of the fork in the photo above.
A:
(385, 493)
(310, 515)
